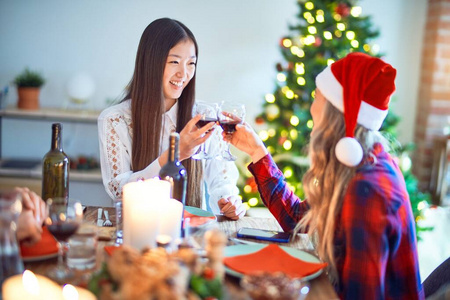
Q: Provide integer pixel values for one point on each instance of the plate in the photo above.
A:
(39, 257)
(235, 250)
(199, 217)
(46, 248)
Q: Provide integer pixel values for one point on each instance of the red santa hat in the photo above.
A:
(360, 86)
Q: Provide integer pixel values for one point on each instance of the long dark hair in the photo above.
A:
(147, 99)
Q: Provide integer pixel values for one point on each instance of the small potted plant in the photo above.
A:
(28, 87)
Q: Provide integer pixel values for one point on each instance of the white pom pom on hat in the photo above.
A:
(360, 86)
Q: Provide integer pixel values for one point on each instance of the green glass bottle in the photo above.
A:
(55, 169)
(174, 172)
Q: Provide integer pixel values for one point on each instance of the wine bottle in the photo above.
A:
(174, 172)
(55, 169)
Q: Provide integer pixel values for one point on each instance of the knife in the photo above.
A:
(99, 217)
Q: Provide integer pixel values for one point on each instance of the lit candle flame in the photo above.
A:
(70, 292)
(30, 283)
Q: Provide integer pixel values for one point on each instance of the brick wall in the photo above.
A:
(433, 109)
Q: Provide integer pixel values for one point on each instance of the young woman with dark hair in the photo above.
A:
(134, 134)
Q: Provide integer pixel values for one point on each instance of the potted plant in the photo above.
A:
(28, 87)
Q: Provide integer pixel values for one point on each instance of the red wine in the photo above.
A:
(202, 123)
(228, 126)
(62, 231)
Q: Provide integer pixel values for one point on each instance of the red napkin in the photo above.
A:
(46, 246)
(110, 249)
(272, 259)
(197, 220)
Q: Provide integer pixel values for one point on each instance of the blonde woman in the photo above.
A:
(357, 207)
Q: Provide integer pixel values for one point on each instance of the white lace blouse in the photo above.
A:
(115, 139)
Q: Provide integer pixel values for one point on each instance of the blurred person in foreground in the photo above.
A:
(357, 209)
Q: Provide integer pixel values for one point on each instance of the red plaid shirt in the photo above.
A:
(375, 239)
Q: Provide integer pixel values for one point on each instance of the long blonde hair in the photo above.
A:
(326, 181)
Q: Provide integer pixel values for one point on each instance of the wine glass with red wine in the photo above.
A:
(62, 221)
(208, 111)
(230, 114)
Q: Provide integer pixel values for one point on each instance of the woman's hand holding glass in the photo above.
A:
(230, 114)
(208, 115)
(191, 137)
(246, 140)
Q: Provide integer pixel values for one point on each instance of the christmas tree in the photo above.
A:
(326, 31)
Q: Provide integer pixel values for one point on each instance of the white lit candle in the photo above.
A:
(71, 292)
(30, 287)
(170, 213)
(141, 213)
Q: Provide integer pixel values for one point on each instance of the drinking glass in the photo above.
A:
(208, 111)
(62, 221)
(230, 114)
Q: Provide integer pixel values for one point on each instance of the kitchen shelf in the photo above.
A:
(68, 115)
(35, 171)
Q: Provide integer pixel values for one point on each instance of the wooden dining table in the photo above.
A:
(320, 287)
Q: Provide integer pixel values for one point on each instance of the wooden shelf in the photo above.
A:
(68, 115)
(36, 172)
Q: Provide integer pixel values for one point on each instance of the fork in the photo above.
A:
(107, 222)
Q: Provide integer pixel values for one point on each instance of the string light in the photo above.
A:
(264, 135)
(271, 132)
(340, 26)
(281, 77)
(290, 94)
(312, 29)
(295, 50)
(310, 124)
(288, 172)
(301, 53)
(350, 35)
(366, 47)
(327, 35)
(356, 11)
(287, 43)
(376, 48)
(247, 207)
(337, 17)
(294, 134)
(311, 20)
(285, 89)
(309, 5)
(320, 16)
(338, 33)
(354, 43)
(309, 40)
(284, 133)
(313, 94)
(271, 151)
(330, 61)
(247, 189)
(421, 205)
(252, 201)
(300, 68)
(294, 121)
(270, 98)
(287, 145)
(301, 80)
(307, 15)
